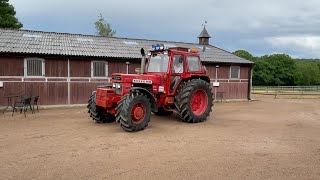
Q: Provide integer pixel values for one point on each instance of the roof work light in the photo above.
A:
(158, 47)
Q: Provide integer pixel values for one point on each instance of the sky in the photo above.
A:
(259, 26)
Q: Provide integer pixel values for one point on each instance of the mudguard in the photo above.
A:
(154, 106)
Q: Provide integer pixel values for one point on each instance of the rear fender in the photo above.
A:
(154, 106)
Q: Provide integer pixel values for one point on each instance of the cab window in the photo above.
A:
(158, 63)
(177, 66)
(193, 63)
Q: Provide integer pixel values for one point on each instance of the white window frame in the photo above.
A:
(106, 69)
(26, 68)
(238, 72)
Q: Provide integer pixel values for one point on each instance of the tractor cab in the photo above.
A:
(174, 64)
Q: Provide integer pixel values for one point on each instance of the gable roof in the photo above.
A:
(53, 43)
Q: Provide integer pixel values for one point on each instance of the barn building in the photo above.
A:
(65, 68)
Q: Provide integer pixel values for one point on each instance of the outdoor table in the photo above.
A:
(9, 98)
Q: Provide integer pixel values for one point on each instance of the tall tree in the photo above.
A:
(244, 54)
(309, 73)
(103, 28)
(7, 16)
(282, 69)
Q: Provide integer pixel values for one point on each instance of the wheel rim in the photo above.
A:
(138, 113)
(199, 102)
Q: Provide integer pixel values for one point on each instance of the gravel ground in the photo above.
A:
(265, 139)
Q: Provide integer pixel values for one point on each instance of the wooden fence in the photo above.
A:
(308, 91)
(286, 89)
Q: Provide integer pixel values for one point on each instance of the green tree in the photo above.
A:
(103, 28)
(309, 73)
(261, 73)
(282, 69)
(244, 54)
(7, 16)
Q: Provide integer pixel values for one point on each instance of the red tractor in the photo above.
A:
(170, 79)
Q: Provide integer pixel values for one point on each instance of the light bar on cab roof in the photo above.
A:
(158, 47)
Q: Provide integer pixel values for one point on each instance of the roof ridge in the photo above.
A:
(96, 36)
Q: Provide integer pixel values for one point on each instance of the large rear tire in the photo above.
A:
(96, 112)
(133, 112)
(194, 101)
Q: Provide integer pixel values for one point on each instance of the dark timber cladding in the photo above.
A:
(65, 68)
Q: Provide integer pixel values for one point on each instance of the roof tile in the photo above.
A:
(38, 42)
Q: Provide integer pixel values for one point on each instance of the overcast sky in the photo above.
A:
(258, 26)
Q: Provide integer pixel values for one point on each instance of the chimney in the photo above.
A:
(204, 37)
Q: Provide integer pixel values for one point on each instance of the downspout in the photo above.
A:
(68, 80)
(216, 80)
(250, 83)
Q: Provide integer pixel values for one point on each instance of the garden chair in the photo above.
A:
(34, 102)
(23, 104)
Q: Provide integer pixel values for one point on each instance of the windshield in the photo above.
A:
(158, 63)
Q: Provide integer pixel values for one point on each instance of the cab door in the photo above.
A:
(177, 69)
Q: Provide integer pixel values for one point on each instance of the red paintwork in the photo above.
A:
(108, 97)
(199, 102)
(138, 113)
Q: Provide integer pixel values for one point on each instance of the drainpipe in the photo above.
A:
(68, 79)
(250, 83)
(216, 80)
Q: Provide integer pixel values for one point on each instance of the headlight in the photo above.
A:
(114, 85)
(118, 88)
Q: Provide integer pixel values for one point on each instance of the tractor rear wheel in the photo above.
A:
(194, 101)
(163, 112)
(133, 112)
(96, 112)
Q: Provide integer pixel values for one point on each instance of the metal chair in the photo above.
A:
(23, 104)
(35, 102)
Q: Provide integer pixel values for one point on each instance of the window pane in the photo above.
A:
(193, 63)
(158, 63)
(177, 64)
(34, 67)
(235, 72)
(99, 69)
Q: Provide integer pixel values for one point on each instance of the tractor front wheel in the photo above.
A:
(133, 112)
(194, 101)
(96, 112)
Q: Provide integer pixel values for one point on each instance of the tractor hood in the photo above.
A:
(151, 79)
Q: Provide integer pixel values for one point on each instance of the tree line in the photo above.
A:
(282, 70)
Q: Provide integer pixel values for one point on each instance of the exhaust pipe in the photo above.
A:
(143, 61)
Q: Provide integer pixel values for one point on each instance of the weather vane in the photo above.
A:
(205, 23)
